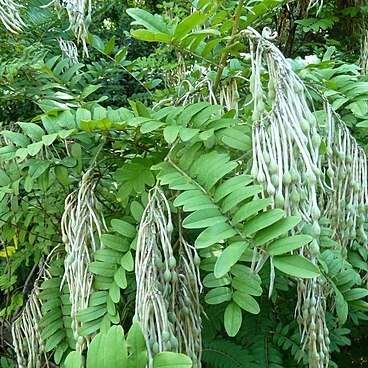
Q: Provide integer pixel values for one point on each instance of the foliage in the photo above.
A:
(184, 182)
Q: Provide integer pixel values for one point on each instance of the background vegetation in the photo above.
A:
(154, 129)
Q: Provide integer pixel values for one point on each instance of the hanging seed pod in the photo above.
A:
(10, 17)
(168, 314)
(82, 224)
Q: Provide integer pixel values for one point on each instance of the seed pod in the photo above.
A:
(155, 348)
(275, 180)
(270, 189)
(255, 116)
(312, 311)
(197, 260)
(320, 338)
(273, 167)
(305, 126)
(316, 230)
(310, 177)
(261, 106)
(174, 276)
(294, 196)
(167, 275)
(166, 335)
(279, 200)
(174, 342)
(261, 178)
(330, 173)
(286, 178)
(314, 248)
(172, 262)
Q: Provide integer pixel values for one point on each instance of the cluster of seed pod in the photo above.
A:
(26, 334)
(311, 319)
(79, 14)
(167, 298)
(28, 344)
(288, 162)
(69, 50)
(9, 16)
(82, 224)
(346, 168)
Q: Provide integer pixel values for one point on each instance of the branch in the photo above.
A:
(229, 43)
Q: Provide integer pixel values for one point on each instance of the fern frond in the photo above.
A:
(221, 353)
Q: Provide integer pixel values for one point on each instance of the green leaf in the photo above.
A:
(295, 265)
(62, 175)
(49, 139)
(203, 218)
(73, 360)
(150, 126)
(124, 228)
(110, 45)
(234, 198)
(355, 294)
(33, 131)
(171, 133)
(127, 261)
(251, 284)
(218, 295)
(278, 228)
(246, 302)
(34, 148)
(148, 20)
(193, 200)
(115, 242)
(230, 185)
(91, 313)
(137, 351)
(108, 350)
(188, 24)
(211, 281)
(187, 134)
(150, 36)
(83, 115)
(235, 138)
(171, 360)
(285, 245)
(262, 221)
(114, 292)
(120, 278)
(214, 234)
(102, 269)
(229, 257)
(342, 309)
(232, 319)
(17, 138)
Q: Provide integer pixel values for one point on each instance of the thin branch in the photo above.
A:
(229, 43)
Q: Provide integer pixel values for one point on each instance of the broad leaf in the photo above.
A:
(295, 265)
